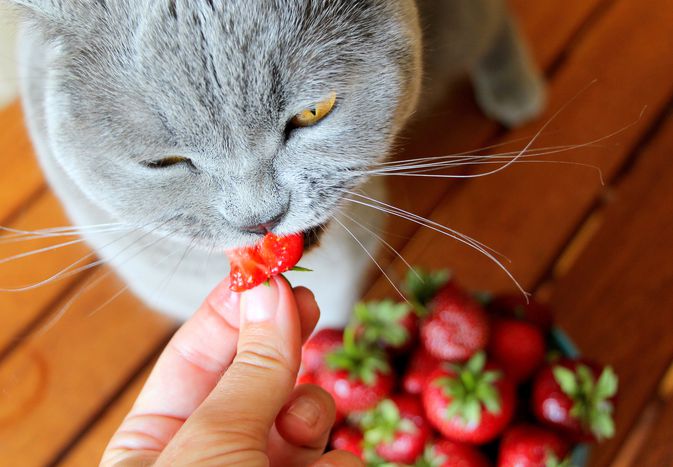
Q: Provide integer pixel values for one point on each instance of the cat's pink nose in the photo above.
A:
(264, 227)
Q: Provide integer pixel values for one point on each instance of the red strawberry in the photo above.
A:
(457, 327)
(391, 325)
(251, 266)
(356, 375)
(396, 430)
(577, 398)
(518, 347)
(320, 344)
(472, 403)
(515, 306)
(531, 446)
(349, 439)
(421, 365)
(445, 453)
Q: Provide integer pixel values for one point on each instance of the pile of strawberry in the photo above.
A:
(451, 379)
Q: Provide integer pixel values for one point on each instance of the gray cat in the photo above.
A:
(183, 128)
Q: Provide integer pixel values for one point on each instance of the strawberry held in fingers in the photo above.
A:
(356, 375)
(318, 346)
(396, 429)
(472, 403)
(273, 255)
(531, 446)
(386, 323)
(577, 398)
(457, 327)
(518, 347)
(445, 453)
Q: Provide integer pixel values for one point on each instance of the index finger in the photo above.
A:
(187, 371)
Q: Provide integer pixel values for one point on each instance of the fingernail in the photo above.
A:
(306, 410)
(260, 304)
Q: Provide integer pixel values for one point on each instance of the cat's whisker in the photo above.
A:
(95, 281)
(68, 271)
(502, 157)
(461, 154)
(473, 243)
(126, 287)
(390, 209)
(384, 242)
(60, 230)
(385, 274)
(441, 160)
(172, 273)
(459, 158)
(401, 215)
(421, 173)
(17, 238)
(41, 250)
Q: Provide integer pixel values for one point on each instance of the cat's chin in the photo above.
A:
(312, 237)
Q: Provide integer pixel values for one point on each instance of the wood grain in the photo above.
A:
(90, 448)
(19, 309)
(529, 212)
(617, 300)
(658, 450)
(54, 382)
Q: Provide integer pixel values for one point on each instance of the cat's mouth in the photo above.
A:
(312, 237)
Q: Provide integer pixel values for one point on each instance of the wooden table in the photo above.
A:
(600, 254)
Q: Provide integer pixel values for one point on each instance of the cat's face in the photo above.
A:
(180, 112)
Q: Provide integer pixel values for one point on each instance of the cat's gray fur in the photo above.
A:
(111, 84)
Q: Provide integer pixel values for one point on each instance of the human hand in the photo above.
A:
(223, 391)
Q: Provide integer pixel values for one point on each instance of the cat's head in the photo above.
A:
(215, 116)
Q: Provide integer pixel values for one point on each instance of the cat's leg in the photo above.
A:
(509, 87)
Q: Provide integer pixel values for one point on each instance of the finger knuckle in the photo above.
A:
(262, 358)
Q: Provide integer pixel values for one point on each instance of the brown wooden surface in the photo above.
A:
(600, 252)
(617, 300)
(657, 450)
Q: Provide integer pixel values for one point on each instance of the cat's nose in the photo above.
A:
(264, 227)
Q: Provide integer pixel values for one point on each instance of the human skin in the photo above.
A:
(223, 391)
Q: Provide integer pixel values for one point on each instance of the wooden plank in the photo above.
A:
(19, 309)
(458, 125)
(551, 25)
(529, 212)
(20, 177)
(658, 450)
(89, 449)
(55, 381)
(617, 300)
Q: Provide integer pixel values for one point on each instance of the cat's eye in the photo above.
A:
(315, 114)
(168, 162)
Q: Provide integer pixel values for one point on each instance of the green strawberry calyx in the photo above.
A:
(470, 390)
(362, 361)
(592, 397)
(381, 322)
(421, 286)
(382, 423)
(431, 458)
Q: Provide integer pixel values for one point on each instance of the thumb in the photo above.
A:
(232, 425)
